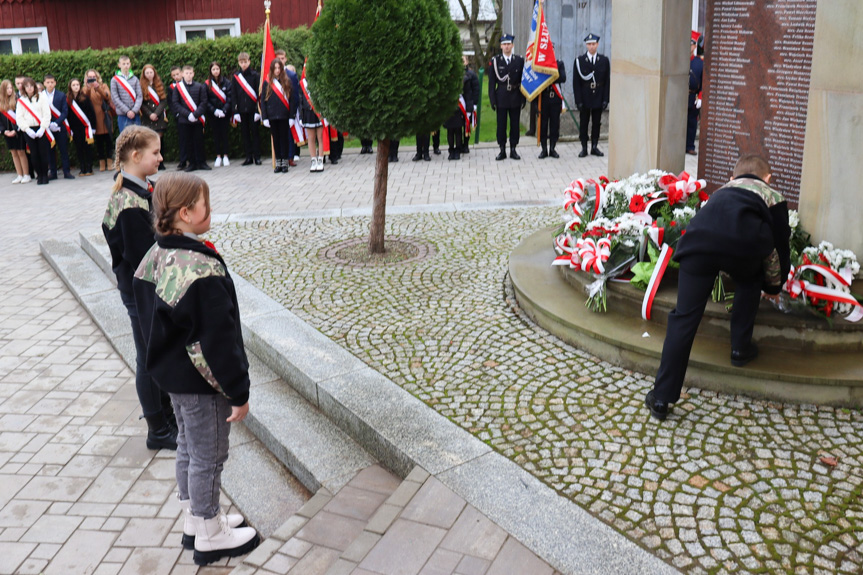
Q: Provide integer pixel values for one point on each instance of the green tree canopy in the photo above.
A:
(387, 68)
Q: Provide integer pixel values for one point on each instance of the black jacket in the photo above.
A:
(272, 107)
(87, 107)
(550, 100)
(738, 222)
(470, 89)
(128, 229)
(586, 93)
(241, 101)
(198, 94)
(504, 82)
(215, 103)
(190, 320)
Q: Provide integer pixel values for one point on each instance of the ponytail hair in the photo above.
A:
(174, 191)
(133, 138)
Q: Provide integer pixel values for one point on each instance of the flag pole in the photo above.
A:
(263, 75)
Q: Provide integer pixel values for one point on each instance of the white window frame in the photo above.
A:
(17, 34)
(207, 26)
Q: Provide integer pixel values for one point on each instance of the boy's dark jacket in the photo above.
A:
(128, 229)
(745, 219)
(191, 321)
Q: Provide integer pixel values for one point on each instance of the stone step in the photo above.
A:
(625, 339)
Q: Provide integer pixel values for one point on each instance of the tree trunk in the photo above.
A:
(379, 204)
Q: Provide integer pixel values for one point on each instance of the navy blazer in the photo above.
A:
(59, 101)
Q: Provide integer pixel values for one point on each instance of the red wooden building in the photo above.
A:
(46, 25)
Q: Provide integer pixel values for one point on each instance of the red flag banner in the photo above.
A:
(541, 52)
(268, 53)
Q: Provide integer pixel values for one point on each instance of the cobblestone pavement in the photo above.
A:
(729, 484)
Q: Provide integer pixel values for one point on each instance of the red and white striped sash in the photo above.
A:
(217, 91)
(82, 117)
(559, 95)
(184, 93)
(462, 105)
(126, 86)
(154, 95)
(10, 115)
(55, 113)
(244, 84)
(38, 119)
(280, 92)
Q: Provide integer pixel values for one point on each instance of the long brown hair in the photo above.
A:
(157, 83)
(29, 82)
(80, 97)
(7, 102)
(282, 78)
(174, 191)
(131, 139)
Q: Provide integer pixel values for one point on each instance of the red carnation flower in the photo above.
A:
(674, 196)
(636, 204)
(702, 195)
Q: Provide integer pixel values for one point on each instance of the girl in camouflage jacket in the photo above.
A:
(191, 322)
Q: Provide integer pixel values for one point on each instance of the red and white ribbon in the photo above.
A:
(154, 95)
(190, 103)
(679, 188)
(462, 106)
(55, 114)
(297, 129)
(48, 133)
(655, 279)
(797, 288)
(217, 91)
(10, 115)
(126, 86)
(593, 254)
(82, 117)
(280, 93)
(244, 84)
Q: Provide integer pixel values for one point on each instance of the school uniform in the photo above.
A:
(219, 100)
(82, 134)
(151, 106)
(193, 129)
(244, 97)
(278, 115)
(34, 114)
(7, 124)
(59, 112)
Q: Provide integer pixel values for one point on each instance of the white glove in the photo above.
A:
(40, 132)
(257, 117)
(266, 123)
(219, 114)
(698, 103)
(474, 109)
(192, 117)
(54, 127)
(237, 119)
(31, 133)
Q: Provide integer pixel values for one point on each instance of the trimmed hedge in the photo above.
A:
(200, 53)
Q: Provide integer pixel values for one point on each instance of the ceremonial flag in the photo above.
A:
(540, 62)
(268, 53)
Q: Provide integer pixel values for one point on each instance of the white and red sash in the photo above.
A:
(154, 95)
(462, 106)
(82, 117)
(10, 115)
(244, 84)
(297, 129)
(559, 95)
(38, 119)
(184, 93)
(55, 113)
(126, 86)
(280, 92)
(217, 91)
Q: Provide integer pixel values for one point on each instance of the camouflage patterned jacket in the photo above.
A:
(190, 320)
(746, 218)
(128, 229)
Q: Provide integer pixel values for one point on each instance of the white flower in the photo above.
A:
(685, 213)
(793, 219)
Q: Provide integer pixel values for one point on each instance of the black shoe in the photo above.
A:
(426, 157)
(553, 153)
(393, 158)
(42, 180)
(530, 133)
(52, 177)
(437, 151)
(658, 409)
(692, 152)
(160, 434)
(248, 162)
(449, 156)
(501, 156)
(257, 161)
(182, 166)
(68, 176)
(542, 155)
(204, 167)
(417, 157)
(741, 358)
(594, 151)
(514, 155)
(583, 152)
(161, 166)
(465, 149)
(190, 168)
(333, 160)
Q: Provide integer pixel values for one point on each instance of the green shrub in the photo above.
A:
(200, 53)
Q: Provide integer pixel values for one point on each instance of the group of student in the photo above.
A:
(41, 120)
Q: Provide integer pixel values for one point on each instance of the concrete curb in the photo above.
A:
(402, 432)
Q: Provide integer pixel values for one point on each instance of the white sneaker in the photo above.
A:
(26, 179)
(218, 162)
(18, 180)
(296, 158)
(314, 167)
(320, 163)
(226, 161)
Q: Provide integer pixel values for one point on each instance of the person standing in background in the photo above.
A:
(126, 94)
(14, 137)
(59, 127)
(244, 98)
(82, 120)
(100, 98)
(696, 72)
(551, 100)
(470, 91)
(506, 99)
(219, 99)
(154, 104)
(590, 85)
(33, 115)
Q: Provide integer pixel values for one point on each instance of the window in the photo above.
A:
(24, 40)
(191, 30)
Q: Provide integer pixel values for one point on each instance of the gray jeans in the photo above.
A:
(202, 449)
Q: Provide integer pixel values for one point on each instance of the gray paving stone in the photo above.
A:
(474, 534)
(330, 530)
(75, 267)
(516, 558)
(403, 549)
(82, 553)
(434, 504)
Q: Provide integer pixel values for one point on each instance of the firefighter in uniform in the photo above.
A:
(551, 100)
(590, 85)
(504, 94)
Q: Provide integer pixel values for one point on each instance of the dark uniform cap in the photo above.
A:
(591, 38)
(507, 38)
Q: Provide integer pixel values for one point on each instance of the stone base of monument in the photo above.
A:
(802, 359)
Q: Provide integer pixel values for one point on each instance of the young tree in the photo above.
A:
(472, 19)
(384, 70)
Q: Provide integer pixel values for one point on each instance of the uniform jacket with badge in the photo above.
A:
(550, 99)
(128, 229)
(198, 94)
(191, 320)
(504, 82)
(242, 103)
(593, 92)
